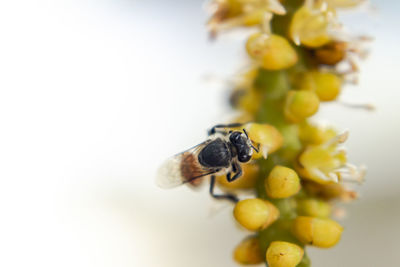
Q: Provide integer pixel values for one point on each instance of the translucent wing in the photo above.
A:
(183, 168)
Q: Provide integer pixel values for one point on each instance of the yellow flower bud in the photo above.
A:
(314, 208)
(249, 251)
(300, 105)
(246, 181)
(226, 10)
(284, 254)
(314, 134)
(273, 52)
(248, 100)
(325, 85)
(292, 145)
(309, 27)
(330, 191)
(323, 233)
(265, 135)
(235, 13)
(328, 86)
(324, 163)
(255, 214)
(282, 182)
(331, 54)
(253, 18)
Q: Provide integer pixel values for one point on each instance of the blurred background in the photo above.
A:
(94, 95)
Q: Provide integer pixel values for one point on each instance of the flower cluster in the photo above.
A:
(300, 58)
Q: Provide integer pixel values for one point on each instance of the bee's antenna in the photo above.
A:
(256, 149)
(244, 130)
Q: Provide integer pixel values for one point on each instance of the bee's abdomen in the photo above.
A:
(190, 168)
(215, 154)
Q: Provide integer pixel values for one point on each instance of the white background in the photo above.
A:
(95, 94)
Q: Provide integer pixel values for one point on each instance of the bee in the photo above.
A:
(221, 154)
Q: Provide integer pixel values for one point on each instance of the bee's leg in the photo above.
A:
(213, 130)
(225, 196)
(235, 168)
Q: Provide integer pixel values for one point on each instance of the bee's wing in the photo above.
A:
(183, 168)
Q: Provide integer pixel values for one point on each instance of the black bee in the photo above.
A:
(221, 154)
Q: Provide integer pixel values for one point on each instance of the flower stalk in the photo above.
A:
(297, 57)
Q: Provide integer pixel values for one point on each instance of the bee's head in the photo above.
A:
(243, 145)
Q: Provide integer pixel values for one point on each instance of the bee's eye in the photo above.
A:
(235, 137)
(244, 157)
